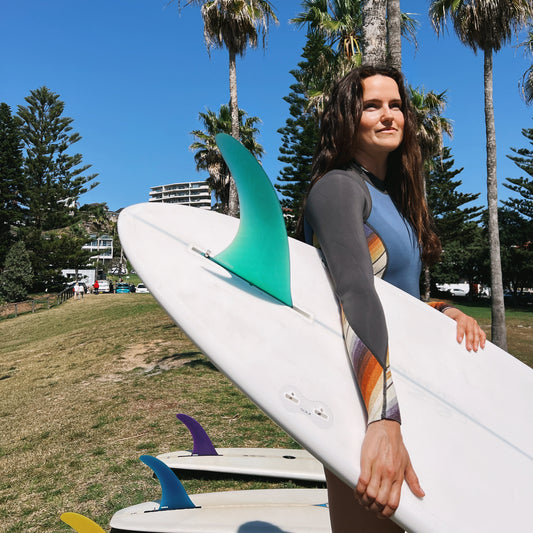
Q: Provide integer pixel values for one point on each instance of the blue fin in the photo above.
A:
(202, 444)
(173, 494)
(260, 251)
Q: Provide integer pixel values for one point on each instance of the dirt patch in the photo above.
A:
(146, 357)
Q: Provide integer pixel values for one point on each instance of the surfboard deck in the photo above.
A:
(281, 463)
(263, 462)
(246, 511)
(466, 416)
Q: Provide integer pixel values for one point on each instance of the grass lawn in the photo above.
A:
(91, 385)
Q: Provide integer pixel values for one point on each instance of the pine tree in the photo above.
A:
(517, 250)
(523, 158)
(54, 179)
(11, 179)
(17, 274)
(299, 139)
(456, 224)
(446, 202)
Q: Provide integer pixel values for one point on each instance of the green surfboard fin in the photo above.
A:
(260, 251)
(81, 523)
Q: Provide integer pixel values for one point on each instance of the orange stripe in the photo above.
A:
(375, 247)
(371, 376)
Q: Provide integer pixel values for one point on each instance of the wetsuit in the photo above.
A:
(350, 216)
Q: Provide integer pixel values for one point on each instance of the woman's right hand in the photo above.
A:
(385, 464)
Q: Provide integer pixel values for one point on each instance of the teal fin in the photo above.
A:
(81, 523)
(260, 251)
(173, 494)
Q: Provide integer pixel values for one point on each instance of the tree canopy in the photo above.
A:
(42, 181)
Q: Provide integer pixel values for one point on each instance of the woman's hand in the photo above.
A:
(385, 464)
(468, 329)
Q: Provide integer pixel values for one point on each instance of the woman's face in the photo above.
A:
(382, 121)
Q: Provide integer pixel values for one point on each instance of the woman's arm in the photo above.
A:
(337, 208)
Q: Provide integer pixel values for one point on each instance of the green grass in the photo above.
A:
(89, 386)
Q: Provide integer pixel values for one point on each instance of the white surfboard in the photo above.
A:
(280, 463)
(243, 511)
(466, 417)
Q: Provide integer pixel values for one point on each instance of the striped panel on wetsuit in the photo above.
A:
(375, 380)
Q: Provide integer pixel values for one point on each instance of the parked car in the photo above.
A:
(142, 288)
(103, 285)
(458, 291)
(123, 287)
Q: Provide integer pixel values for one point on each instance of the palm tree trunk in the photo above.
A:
(427, 284)
(233, 207)
(394, 31)
(375, 32)
(499, 332)
(234, 106)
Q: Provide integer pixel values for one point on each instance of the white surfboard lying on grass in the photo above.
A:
(247, 511)
(263, 462)
(241, 511)
(262, 309)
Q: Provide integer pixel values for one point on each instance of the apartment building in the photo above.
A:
(193, 193)
(101, 247)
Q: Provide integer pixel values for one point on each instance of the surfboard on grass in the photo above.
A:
(263, 462)
(241, 511)
(261, 307)
(251, 511)
(248, 511)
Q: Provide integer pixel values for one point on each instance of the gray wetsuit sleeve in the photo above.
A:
(337, 208)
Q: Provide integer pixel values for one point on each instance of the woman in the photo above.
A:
(366, 209)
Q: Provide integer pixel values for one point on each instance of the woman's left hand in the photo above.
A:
(468, 329)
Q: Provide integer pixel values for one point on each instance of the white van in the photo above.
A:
(103, 285)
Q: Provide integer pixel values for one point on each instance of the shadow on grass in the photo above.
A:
(199, 476)
(196, 359)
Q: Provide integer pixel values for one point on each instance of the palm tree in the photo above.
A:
(394, 33)
(487, 25)
(208, 157)
(235, 25)
(375, 32)
(383, 27)
(340, 24)
(431, 128)
(342, 27)
(527, 79)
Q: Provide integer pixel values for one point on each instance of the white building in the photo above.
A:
(101, 247)
(193, 193)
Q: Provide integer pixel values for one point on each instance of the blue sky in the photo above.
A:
(134, 75)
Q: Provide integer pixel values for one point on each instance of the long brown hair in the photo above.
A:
(405, 179)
